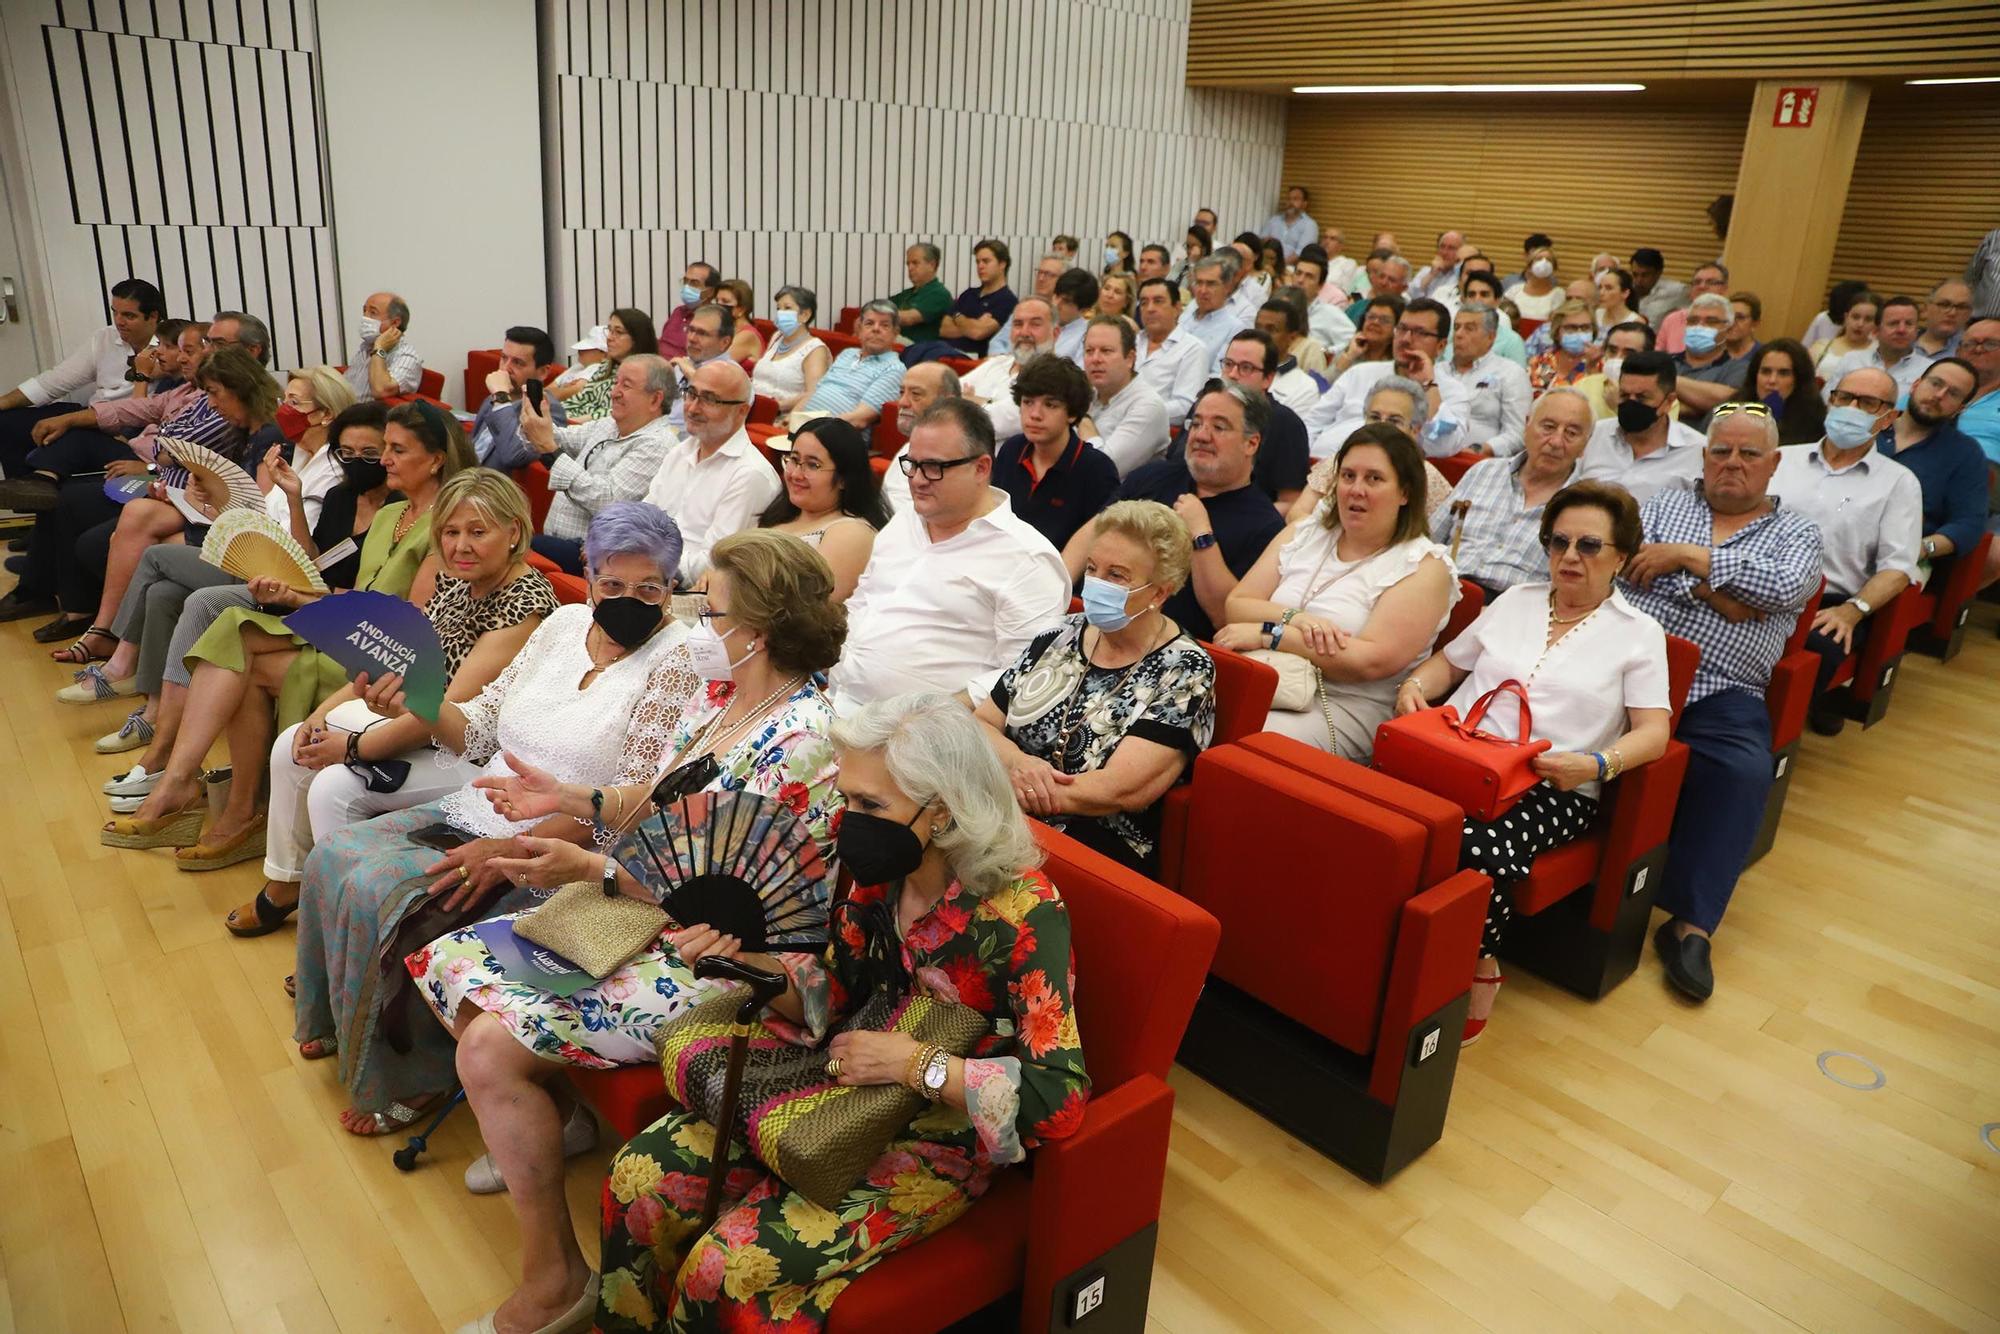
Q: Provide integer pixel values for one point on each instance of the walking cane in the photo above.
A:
(764, 987)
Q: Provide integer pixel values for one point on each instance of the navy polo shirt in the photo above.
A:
(1951, 468)
(998, 303)
(1244, 521)
(1066, 497)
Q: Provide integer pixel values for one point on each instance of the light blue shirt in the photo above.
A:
(853, 380)
(1069, 340)
(1293, 236)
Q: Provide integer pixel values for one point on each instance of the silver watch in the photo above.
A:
(1861, 605)
(936, 1074)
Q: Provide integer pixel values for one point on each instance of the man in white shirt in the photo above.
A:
(1420, 333)
(1076, 293)
(713, 482)
(1326, 320)
(1127, 419)
(383, 364)
(1213, 317)
(925, 384)
(93, 372)
(1291, 224)
(958, 584)
(1439, 278)
(1496, 388)
(1870, 513)
(1047, 271)
(1895, 350)
(615, 457)
(991, 383)
(1643, 448)
(1170, 359)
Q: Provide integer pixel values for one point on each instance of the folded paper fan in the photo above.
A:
(247, 544)
(366, 631)
(226, 486)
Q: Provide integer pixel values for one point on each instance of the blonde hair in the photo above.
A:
(782, 588)
(1571, 306)
(1156, 528)
(1129, 284)
(493, 494)
(331, 392)
(935, 751)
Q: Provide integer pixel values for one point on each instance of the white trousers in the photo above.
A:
(309, 804)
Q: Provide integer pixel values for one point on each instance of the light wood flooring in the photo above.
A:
(168, 1162)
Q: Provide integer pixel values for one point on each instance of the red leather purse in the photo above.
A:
(1432, 749)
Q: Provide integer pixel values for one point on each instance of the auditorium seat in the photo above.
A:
(765, 329)
(533, 479)
(568, 587)
(849, 315)
(1348, 942)
(960, 365)
(1471, 601)
(1788, 698)
(1865, 681)
(836, 341)
(1243, 691)
(1947, 599)
(885, 438)
(1455, 466)
(1084, 1206)
(481, 362)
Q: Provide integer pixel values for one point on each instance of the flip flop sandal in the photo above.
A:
(76, 653)
(268, 914)
(93, 686)
(397, 1116)
(292, 990)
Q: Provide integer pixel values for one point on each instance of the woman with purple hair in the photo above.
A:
(592, 698)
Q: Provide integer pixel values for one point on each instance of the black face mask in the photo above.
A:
(628, 621)
(382, 775)
(362, 475)
(1636, 418)
(878, 851)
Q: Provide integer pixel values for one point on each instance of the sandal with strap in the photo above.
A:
(93, 686)
(318, 1049)
(1475, 1027)
(269, 916)
(78, 655)
(178, 830)
(396, 1116)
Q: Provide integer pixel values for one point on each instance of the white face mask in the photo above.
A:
(1541, 268)
(1613, 368)
(710, 655)
(370, 327)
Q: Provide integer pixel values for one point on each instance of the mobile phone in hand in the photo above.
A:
(532, 391)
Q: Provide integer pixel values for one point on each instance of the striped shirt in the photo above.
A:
(198, 423)
(1496, 538)
(406, 368)
(1771, 565)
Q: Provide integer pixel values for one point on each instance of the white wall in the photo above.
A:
(809, 141)
(432, 131)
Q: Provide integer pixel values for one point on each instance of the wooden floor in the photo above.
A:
(167, 1162)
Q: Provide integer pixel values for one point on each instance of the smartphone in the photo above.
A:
(440, 836)
(532, 391)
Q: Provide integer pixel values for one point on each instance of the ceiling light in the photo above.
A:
(1929, 83)
(1472, 88)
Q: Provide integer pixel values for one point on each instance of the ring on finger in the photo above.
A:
(833, 1068)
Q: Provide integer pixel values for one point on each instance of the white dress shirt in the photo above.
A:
(93, 372)
(1295, 389)
(1870, 513)
(1608, 458)
(941, 615)
(1337, 415)
(1132, 426)
(1500, 396)
(1329, 324)
(713, 497)
(993, 381)
(1069, 340)
(1176, 369)
(594, 465)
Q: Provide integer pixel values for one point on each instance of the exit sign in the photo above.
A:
(1794, 109)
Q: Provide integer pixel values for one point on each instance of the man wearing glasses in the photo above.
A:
(1869, 511)
(958, 584)
(714, 482)
(594, 463)
(1728, 568)
(1929, 439)
(1419, 337)
(1944, 317)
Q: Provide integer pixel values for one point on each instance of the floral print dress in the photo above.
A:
(785, 756)
(774, 1259)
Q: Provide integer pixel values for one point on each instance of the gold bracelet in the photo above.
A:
(918, 1060)
(618, 820)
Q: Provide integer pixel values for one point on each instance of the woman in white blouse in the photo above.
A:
(1358, 590)
(1595, 669)
(791, 365)
(593, 698)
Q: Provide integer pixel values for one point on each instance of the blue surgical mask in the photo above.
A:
(1104, 603)
(1576, 344)
(786, 320)
(689, 295)
(1111, 256)
(1849, 427)
(1701, 339)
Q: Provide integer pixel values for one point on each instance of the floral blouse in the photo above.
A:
(786, 756)
(1007, 955)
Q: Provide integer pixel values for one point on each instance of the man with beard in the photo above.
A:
(1949, 464)
(991, 383)
(923, 385)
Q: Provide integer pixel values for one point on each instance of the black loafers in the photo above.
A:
(33, 494)
(1686, 960)
(1826, 717)
(15, 607)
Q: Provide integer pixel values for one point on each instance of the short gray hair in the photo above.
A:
(634, 528)
(927, 250)
(1766, 424)
(1211, 264)
(1488, 316)
(879, 306)
(399, 311)
(1565, 391)
(1420, 402)
(802, 297)
(935, 750)
(660, 377)
(1715, 299)
(1399, 262)
(1255, 403)
(250, 331)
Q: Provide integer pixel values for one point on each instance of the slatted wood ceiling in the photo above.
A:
(1594, 173)
(1282, 43)
(1926, 188)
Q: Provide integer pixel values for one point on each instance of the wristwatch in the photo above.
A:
(1930, 548)
(610, 876)
(935, 1075)
(1861, 605)
(1204, 542)
(502, 396)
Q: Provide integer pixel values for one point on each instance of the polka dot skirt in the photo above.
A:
(1542, 819)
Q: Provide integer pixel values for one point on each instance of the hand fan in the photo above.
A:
(247, 544)
(743, 864)
(366, 631)
(220, 478)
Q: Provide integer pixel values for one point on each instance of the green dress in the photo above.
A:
(387, 566)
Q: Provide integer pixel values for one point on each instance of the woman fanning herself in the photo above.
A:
(1098, 718)
(947, 888)
(1358, 590)
(832, 499)
(593, 698)
(1595, 669)
(247, 657)
(761, 727)
(344, 763)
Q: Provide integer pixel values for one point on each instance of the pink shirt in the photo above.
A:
(121, 416)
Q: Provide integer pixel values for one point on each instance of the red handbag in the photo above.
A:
(1432, 749)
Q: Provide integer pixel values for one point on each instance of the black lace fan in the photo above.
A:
(743, 864)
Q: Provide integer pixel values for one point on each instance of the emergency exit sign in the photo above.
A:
(1794, 109)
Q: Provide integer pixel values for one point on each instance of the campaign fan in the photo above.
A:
(743, 864)
(247, 544)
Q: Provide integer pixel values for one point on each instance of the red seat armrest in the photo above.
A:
(1642, 815)
(1173, 833)
(1954, 582)
(1096, 1187)
(1887, 638)
(1789, 696)
(1437, 947)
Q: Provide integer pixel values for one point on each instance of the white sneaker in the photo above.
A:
(579, 1136)
(135, 782)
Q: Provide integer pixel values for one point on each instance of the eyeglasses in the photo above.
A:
(710, 614)
(1586, 547)
(357, 455)
(1946, 391)
(1979, 346)
(1396, 420)
(809, 467)
(1840, 398)
(713, 400)
(1952, 305)
(934, 469)
(1244, 367)
(1747, 409)
(1416, 332)
(300, 404)
(607, 588)
(207, 341)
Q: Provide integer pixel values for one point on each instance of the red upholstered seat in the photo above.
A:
(1790, 691)
(1948, 598)
(765, 330)
(1243, 691)
(836, 340)
(1471, 601)
(534, 483)
(849, 316)
(1456, 466)
(763, 410)
(568, 587)
(961, 365)
(1869, 674)
(886, 438)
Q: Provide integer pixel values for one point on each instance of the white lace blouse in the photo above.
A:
(613, 731)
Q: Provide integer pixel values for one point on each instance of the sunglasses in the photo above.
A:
(1749, 409)
(1586, 547)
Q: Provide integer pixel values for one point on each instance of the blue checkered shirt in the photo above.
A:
(1772, 565)
(1499, 533)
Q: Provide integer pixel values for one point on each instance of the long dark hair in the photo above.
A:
(860, 490)
(1803, 419)
(639, 325)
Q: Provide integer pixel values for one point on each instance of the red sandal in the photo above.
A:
(1483, 1003)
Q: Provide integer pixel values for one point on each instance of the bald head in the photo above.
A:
(718, 402)
(1869, 382)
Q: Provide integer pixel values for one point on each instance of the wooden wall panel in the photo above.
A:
(1278, 44)
(1594, 173)
(1926, 188)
